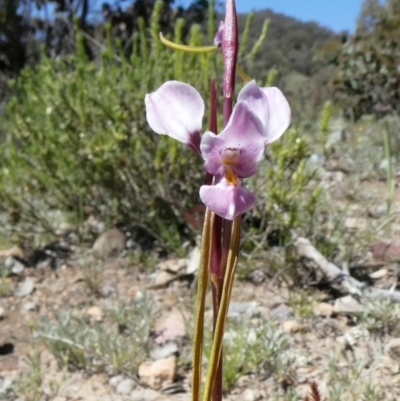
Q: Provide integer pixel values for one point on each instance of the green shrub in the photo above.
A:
(78, 136)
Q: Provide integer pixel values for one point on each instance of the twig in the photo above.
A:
(336, 276)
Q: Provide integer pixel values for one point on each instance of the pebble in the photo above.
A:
(237, 309)
(347, 304)
(164, 351)
(2, 312)
(25, 288)
(110, 243)
(115, 380)
(125, 386)
(291, 326)
(145, 394)
(95, 313)
(249, 395)
(159, 373)
(282, 313)
(14, 265)
(392, 348)
(323, 309)
(107, 290)
(30, 306)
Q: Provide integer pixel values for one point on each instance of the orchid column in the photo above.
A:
(260, 116)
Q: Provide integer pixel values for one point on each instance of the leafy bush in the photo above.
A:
(78, 137)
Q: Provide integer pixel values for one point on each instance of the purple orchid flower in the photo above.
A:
(260, 117)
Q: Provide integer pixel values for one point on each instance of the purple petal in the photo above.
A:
(280, 114)
(220, 34)
(176, 109)
(211, 147)
(227, 201)
(244, 132)
(270, 106)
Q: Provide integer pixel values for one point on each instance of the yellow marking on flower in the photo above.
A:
(230, 176)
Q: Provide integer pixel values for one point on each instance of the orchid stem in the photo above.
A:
(200, 304)
(216, 350)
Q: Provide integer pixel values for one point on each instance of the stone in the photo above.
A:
(145, 394)
(172, 265)
(335, 137)
(237, 309)
(376, 275)
(171, 326)
(110, 243)
(14, 251)
(347, 304)
(2, 312)
(95, 313)
(159, 373)
(14, 265)
(291, 326)
(282, 313)
(392, 348)
(25, 288)
(193, 261)
(115, 380)
(323, 309)
(30, 306)
(164, 351)
(249, 395)
(125, 386)
(163, 278)
(107, 290)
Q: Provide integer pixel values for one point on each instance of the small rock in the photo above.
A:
(159, 373)
(107, 290)
(379, 274)
(115, 380)
(125, 386)
(14, 251)
(347, 304)
(335, 137)
(25, 288)
(257, 276)
(170, 326)
(291, 326)
(163, 278)
(323, 309)
(5, 385)
(172, 265)
(2, 312)
(110, 243)
(193, 261)
(164, 352)
(237, 309)
(95, 313)
(282, 313)
(145, 394)
(17, 268)
(30, 306)
(249, 395)
(392, 348)
(14, 265)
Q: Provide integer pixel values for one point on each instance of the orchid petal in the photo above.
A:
(270, 106)
(220, 34)
(244, 132)
(176, 109)
(227, 201)
(211, 147)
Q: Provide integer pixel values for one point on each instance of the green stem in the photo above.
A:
(200, 304)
